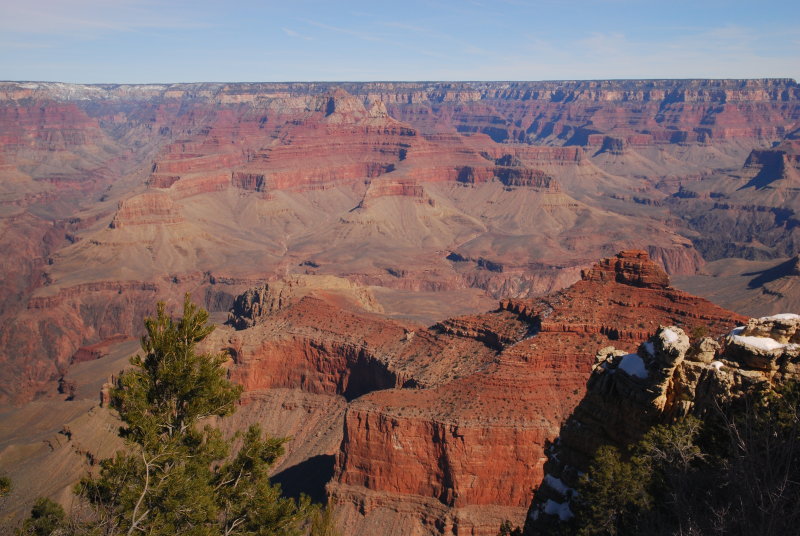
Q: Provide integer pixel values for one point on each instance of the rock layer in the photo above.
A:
(439, 195)
(443, 422)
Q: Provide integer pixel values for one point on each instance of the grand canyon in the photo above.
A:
(412, 279)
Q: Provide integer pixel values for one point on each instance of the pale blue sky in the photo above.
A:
(139, 41)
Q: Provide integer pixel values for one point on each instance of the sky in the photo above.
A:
(148, 41)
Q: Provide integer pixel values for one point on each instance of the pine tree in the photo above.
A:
(47, 518)
(172, 478)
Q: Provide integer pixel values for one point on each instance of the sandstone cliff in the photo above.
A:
(413, 430)
(457, 449)
(437, 188)
(439, 421)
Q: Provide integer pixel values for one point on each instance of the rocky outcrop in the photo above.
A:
(666, 378)
(629, 267)
(255, 305)
(387, 186)
(777, 167)
(95, 351)
(462, 440)
(516, 176)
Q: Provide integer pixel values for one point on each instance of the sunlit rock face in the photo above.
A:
(406, 205)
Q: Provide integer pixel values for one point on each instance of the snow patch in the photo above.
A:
(781, 316)
(561, 510)
(634, 366)
(650, 348)
(557, 484)
(762, 343)
(669, 336)
(716, 365)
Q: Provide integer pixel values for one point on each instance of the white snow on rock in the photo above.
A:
(633, 365)
(781, 316)
(669, 335)
(762, 343)
(557, 484)
(561, 510)
(717, 365)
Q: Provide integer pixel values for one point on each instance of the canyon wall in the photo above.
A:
(446, 426)
(438, 198)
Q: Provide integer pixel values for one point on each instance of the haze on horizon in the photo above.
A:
(143, 41)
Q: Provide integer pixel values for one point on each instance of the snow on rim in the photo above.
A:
(762, 343)
(781, 316)
(669, 335)
(557, 484)
(562, 510)
(634, 366)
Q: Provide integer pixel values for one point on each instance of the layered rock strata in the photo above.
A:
(441, 420)
(460, 447)
(376, 182)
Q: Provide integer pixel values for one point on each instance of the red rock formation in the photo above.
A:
(629, 267)
(95, 351)
(383, 187)
(482, 393)
(462, 442)
(45, 125)
(433, 155)
(380, 182)
(327, 350)
(149, 208)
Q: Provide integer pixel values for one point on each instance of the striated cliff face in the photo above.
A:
(351, 209)
(413, 430)
(668, 377)
(378, 183)
(442, 423)
(630, 267)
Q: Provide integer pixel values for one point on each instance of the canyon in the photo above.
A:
(404, 274)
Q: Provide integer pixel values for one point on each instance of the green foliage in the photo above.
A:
(174, 479)
(635, 494)
(47, 518)
(732, 473)
(5, 486)
(322, 523)
(249, 503)
(698, 332)
(762, 471)
(506, 529)
(611, 492)
(172, 387)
